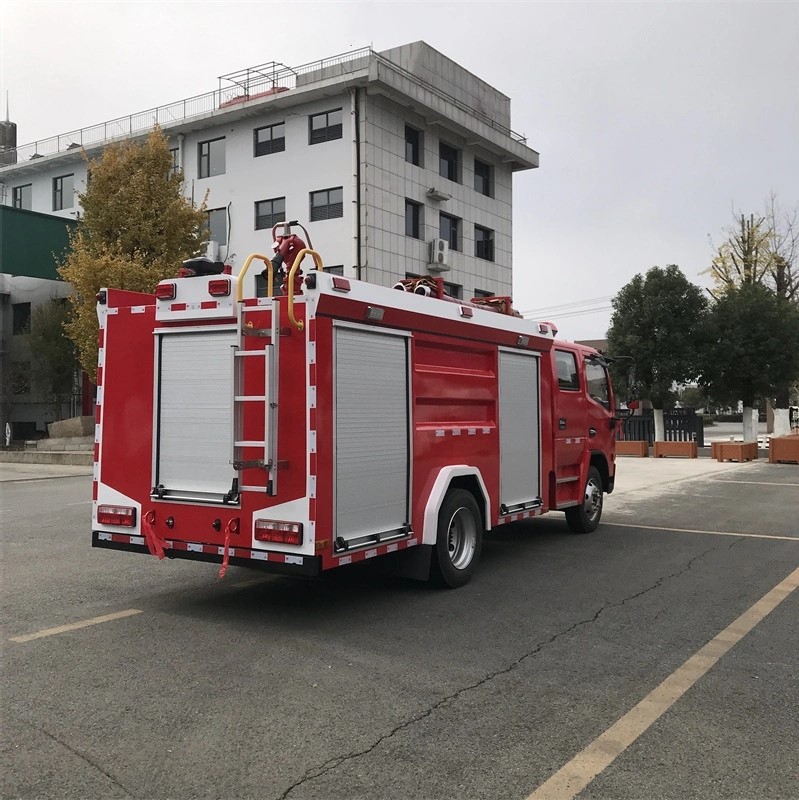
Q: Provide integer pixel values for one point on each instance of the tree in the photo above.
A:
(135, 230)
(656, 320)
(53, 361)
(762, 249)
(751, 346)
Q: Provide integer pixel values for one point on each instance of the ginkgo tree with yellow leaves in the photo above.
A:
(134, 230)
(761, 250)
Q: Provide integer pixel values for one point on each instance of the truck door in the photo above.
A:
(569, 418)
(600, 429)
(194, 423)
(519, 430)
(372, 439)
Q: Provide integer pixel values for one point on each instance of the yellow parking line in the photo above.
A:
(709, 533)
(574, 776)
(73, 626)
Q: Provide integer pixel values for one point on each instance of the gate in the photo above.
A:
(680, 425)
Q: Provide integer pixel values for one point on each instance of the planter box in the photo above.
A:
(639, 449)
(734, 451)
(784, 448)
(684, 449)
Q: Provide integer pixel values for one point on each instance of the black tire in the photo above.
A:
(584, 518)
(459, 541)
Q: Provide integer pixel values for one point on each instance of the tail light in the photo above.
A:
(268, 530)
(219, 288)
(123, 516)
(165, 291)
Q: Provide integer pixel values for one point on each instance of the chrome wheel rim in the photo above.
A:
(461, 538)
(593, 499)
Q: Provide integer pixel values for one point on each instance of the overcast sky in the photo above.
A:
(653, 120)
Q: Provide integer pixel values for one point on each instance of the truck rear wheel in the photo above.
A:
(584, 518)
(459, 540)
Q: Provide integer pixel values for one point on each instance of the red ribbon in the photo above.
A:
(226, 554)
(154, 544)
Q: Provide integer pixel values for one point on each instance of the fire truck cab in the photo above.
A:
(338, 422)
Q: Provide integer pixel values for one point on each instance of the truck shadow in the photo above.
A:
(513, 556)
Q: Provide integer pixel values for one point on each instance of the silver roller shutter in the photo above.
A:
(195, 432)
(519, 429)
(371, 383)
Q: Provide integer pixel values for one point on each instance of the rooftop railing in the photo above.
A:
(236, 87)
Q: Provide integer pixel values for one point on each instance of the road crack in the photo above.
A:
(332, 763)
(82, 756)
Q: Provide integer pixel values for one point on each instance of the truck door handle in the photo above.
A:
(592, 432)
(562, 423)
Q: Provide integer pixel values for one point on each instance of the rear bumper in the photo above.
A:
(281, 563)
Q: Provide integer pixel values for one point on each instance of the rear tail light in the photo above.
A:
(219, 288)
(267, 530)
(123, 516)
(165, 291)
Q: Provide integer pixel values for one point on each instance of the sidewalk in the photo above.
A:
(10, 471)
(634, 474)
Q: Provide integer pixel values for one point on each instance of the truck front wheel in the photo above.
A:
(459, 539)
(584, 518)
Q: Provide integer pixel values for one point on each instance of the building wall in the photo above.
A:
(390, 180)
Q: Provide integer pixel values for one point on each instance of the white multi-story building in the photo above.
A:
(398, 163)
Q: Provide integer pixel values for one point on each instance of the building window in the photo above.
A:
(22, 196)
(453, 290)
(567, 371)
(217, 225)
(413, 146)
(448, 161)
(483, 243)
(269, 212)
(325, 127)
(211, 158)
(483, 293)
(327, 204)
(20, 316)
(270, 139)
(336, 269)
(174, 152)
(20, 377)
(413, 219)
(483, 178)
(449, 230)
(63, 192)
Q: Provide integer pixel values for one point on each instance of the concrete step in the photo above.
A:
(77, 458)
(67, 443)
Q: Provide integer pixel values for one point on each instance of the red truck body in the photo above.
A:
(300, 433)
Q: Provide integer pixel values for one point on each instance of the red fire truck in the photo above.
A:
(337, 421)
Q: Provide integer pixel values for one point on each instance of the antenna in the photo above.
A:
(8, 119)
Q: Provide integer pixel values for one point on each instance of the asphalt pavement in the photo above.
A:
(152, 679)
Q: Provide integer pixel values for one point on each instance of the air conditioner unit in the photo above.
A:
(439, 255)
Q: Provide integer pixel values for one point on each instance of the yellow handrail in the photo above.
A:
(298, 323)
(270, 283)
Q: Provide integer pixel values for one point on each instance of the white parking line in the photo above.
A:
(574, 776)
(754, 483)
(73, 626)
(709, 533)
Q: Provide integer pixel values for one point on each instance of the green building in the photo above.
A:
(30, 244)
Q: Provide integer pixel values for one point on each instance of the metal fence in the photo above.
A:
(680, 425)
